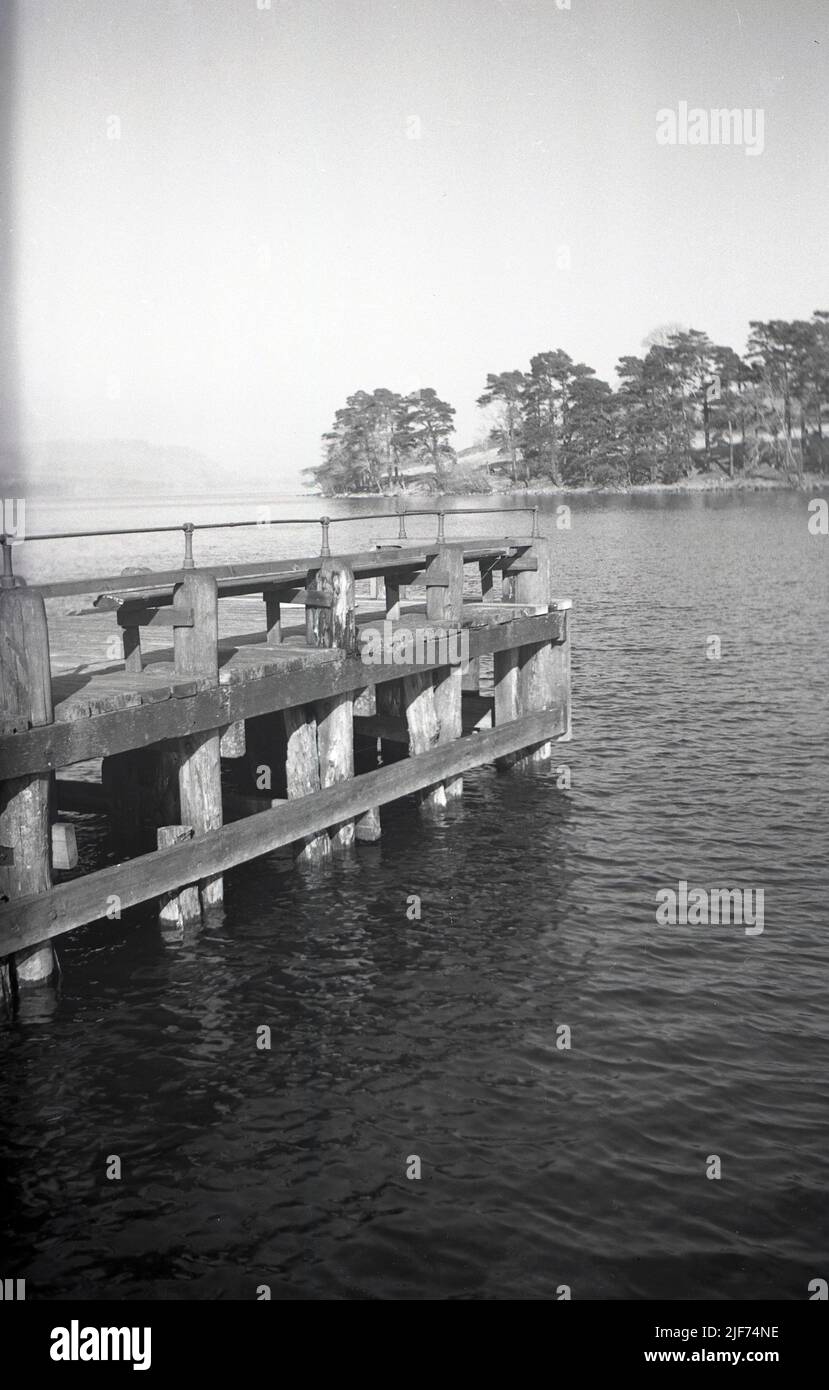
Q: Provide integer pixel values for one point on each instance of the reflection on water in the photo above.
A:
(390, 1037)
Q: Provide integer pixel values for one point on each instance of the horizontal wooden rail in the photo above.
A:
(59, 745)
(40, 917)
(365, 564)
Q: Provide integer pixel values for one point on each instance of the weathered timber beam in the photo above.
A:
(40, 917)
(60, 745)
(252, 576)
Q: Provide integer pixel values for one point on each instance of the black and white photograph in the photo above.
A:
(414, 673)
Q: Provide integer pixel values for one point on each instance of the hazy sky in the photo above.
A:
(265, 236)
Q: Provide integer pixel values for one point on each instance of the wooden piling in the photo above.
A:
(182, 907)
(424, 731)
(388, 701)
(302, 775)
(560, 695)
(505, 703)
(536, 667)
(444, 603)
(25, 829)
(196, 651)
(334, 625)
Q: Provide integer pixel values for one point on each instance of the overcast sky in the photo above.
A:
(257, 233)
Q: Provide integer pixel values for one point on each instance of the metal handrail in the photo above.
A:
(8, 581)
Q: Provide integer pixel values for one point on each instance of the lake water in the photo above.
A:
(541, 1166)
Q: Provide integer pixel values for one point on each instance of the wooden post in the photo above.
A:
(178, 909)
(487, 570)
(133, 660)
(536, 677)
(472, 676)
(233, 740)
(273, 616)
(424, 730)
(302, 773)
(196, 650)
(505, 704)
(334, 625)
(444, 603)
(561, 690)
(25, 830)
(392, 597)
(302, 761)
(388, 700)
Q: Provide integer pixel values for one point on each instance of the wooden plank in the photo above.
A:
(32, 919)
(61, 744)
(25, 695)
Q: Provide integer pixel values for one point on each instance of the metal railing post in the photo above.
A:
(7, 577)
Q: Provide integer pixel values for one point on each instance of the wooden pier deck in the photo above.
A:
(215, 714)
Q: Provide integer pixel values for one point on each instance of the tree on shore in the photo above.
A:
(378, 434)
(687, 405)
(505, 398)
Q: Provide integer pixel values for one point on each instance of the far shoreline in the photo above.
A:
(700, 482)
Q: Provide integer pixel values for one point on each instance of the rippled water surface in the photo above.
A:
(541, 1166)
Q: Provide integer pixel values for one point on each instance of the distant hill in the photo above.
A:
(110, 468)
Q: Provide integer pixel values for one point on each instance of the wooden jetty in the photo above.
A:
(217, 746)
